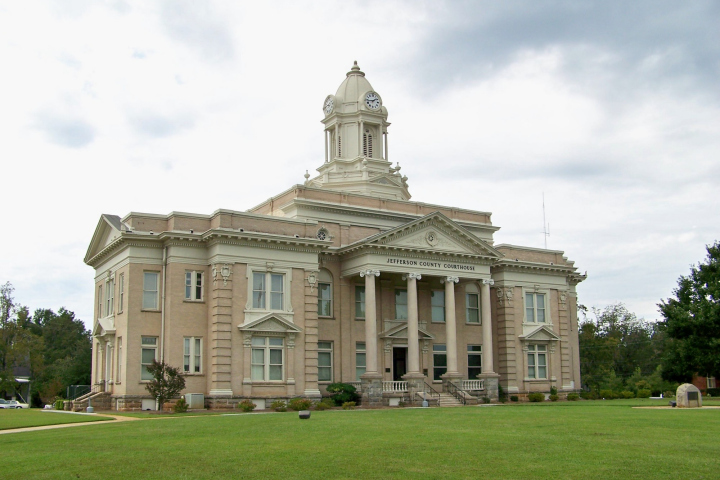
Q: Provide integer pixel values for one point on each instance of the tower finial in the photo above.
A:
(355, 70)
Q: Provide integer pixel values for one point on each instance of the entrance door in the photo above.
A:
(399, 363)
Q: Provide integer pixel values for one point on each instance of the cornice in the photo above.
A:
(523, 266)
(409, 252)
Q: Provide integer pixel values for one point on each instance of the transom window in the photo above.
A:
(472, 308)
(150, 290)
(192, 355)
(537, 361)
(325, 361)
(148, 354)
(359, 302)
(535, 308)
(193, 286)
(267, 291)
(439, 361)
(474, 353)
(267, 358)
(359, 360)
(437, 302)
(401, 304)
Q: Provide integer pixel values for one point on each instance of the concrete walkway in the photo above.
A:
(115, 418)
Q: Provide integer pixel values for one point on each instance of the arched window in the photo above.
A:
(325, 304)
(367, 144)
(339, 146)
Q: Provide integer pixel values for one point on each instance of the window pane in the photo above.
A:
(474, 348)
(359, 302)
(475, 360)
(437, 298)
(401, 304)
(439, 347)
(198, 285)
(324, 308)
(275, 357)
(324, 345)
(276, 301)
(438, 314)
(473, 316)
(150, 281)
(541, 315)
(186, 347)
(529, 300)
(542, 372)
(540, 300)
(360, 359)
(324, 291)
(186, 363)
(188, 284)
(258, 356)
(258, 341)
(144, 374)
(471, 300)
(276, 372)
(541, 348)
(258, 372)
(258, 281)
(440, 360)
(148, 355)
(531, 359)
(324, 374)
(258, 299)
(276, 282)
(531, 372)
(149, 340)
(149, 300)
(401, 312)
(323, 359)
(530, 315)
(276, 341)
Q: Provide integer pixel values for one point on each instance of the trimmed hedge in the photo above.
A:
(536, 397)
(573, 397)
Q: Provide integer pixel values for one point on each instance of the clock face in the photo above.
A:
(372, 100)
(328, 105)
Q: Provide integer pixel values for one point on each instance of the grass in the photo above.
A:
(579, 440)
(22, 418)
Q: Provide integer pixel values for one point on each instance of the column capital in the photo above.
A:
(488, 281)
(370, 273)
(415, 276)
(450, 279)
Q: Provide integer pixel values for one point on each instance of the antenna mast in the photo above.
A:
(546, 226)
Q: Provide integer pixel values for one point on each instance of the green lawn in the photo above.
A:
(578, 440)
(34, 417)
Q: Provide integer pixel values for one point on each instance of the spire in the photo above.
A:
(355, 70)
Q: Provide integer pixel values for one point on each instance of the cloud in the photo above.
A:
(66, 132)
(194, 24)
(159, 126)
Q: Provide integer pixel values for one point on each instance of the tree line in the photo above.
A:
(56, 347)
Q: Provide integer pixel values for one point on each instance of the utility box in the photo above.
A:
(195, 401)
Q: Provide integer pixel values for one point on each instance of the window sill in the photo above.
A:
(187, 300)
(474, 324)
(438, 323)
(268, 383)
(359, 319)
(325, 318)
(537, 380)
(191, 374)
(152, 310)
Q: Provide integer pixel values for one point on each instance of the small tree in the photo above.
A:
(167, 382)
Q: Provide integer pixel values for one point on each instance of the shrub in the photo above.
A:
(486, 399)
(514, 398)
(713, 392)
(167, 382)
(607, 394)
(180, 406)
(342, 393)
(536, 397)
(320, 406)
(59, 404)
(553, 391)
(502, 394)
(669, 393)
(279, 406)
(246, 406)
(627, 394)
(588, 395)
(401, 403)
(643, 393)
(348, 405)
(298, 404)
(573, 397)
(554, 398)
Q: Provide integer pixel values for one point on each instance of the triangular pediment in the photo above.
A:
(109, 229)
(271, 323)
(104, 326)
(542, 333)
(434, 233)
(400, 331)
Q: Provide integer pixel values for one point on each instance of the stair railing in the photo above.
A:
(432, 393)
(456, 392)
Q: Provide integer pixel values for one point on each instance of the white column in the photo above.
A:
(335, 149)
(326, 145)
(450, 327)
(412, 328)
(386, 147)
(487, 349)
(370, 322)
(360, 139)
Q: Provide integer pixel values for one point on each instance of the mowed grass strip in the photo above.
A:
(22, 418)
(583, 440)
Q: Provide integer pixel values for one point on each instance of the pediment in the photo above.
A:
(400, 331)
(384, 180)
(271, 323)
(104, 326)
(436, 233)
(541, 333)
(109, 229)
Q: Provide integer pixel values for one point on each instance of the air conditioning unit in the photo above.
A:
(195, 400)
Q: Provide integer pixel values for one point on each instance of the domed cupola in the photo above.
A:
(356, 147)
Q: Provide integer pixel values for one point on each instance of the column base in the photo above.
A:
(416, 383)
(451, 377)
(371, 389)
(221, 392)
(312, 393)
(492, 381)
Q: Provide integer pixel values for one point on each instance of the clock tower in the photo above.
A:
(356, 146)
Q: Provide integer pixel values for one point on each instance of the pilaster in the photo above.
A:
(220, 330)
(507, 336)
(311, 340)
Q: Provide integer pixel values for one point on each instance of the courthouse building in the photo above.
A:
(340, 279)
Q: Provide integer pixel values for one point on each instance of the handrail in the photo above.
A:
(97, 388)
(434, 394)
(456, 392)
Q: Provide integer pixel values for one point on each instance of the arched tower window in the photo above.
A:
(367, 144)
(339, 146)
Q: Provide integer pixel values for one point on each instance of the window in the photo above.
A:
(109, 297)
(148, 354)
(535, 307)
(359, 360)
(359, 302)
(121, 292)
(325, 361)
(100, 301)
(472, 308)
(537, 361)
(192, 355)
(267, 358)
(474, 353)
(437, 305)
(439, 361)
(367, 144)
(119, 360)
(711, 382)
(325, 293)
(150, 291)
(401, 306)
(194, 286)
(268, 288)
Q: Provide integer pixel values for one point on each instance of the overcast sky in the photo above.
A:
(611, 109)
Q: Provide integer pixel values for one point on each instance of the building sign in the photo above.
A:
(429, 264)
